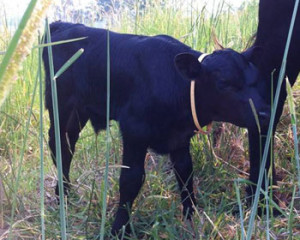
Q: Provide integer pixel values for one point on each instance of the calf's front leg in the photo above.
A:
(183, 167)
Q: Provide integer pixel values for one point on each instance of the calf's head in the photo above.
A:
(225, 82)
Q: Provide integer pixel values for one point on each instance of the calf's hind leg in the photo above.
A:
(71, 122)
(131, 180)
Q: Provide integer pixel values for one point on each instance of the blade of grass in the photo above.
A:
(240, 208)
(267, 206)
(255, 115)
(291, 215)
(42, 192)
(1, 204)
(271, 148)
(292, 109)
(104, 203)
(57, 138)
(269, 136)
(59, 42)
(68, 63)
(258, 125)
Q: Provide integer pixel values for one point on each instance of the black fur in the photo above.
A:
(274, 22)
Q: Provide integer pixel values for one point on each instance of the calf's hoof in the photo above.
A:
(188, 212)
(66, 189)
(122, 233)
(121, 224)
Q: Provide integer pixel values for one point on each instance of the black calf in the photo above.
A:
(150, 98)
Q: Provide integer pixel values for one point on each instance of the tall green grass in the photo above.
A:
(156, 213)
(58, 155)
(41, 143)
(108, 140)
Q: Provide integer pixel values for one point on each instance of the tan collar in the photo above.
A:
(194, 113)
(193, 104)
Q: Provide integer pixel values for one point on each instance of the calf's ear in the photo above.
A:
(254, 54)
(188, 65)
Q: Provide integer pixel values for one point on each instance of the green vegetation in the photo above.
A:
(219, 171)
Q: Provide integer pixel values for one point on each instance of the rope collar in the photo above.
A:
(202, 56)
(193, 104)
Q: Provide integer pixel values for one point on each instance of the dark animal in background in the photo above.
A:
(274, 23)
(150, 98)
